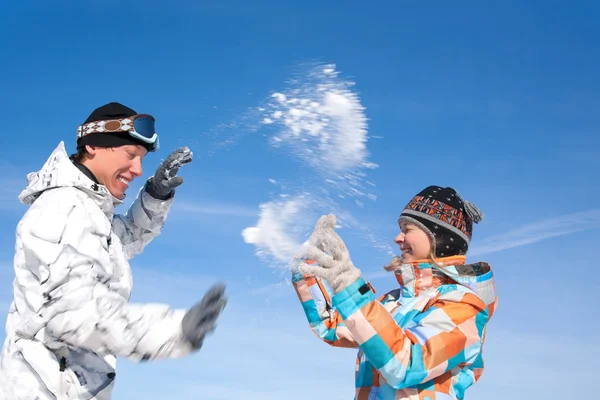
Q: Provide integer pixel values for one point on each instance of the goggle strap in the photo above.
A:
(115, 125)
(112, 125)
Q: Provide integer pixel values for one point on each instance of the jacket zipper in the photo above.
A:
(62, 368)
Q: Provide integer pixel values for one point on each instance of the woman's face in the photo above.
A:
(414, 243)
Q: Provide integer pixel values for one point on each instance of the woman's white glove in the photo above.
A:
(327, 257)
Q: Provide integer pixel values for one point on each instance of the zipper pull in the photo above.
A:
(63, 364)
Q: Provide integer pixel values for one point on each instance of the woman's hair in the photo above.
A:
(433, 260)
(395, 263)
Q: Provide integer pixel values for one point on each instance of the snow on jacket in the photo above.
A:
(70, 317)
(421, 341)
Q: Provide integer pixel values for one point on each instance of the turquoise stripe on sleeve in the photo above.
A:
(429, 385)
(472, 352)
(478, 363)
(386, 392)
(320, 329)
(330, 335)
(456, 360)
(310, 309)
(348, 292)
(417, 371)
(364, 377)
(481, 319)
(324, 332)
(465, 380)
(377, 351)
(297, 276)
(350, 300)
(394, 372)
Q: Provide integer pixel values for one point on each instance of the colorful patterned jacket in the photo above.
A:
(422, 341)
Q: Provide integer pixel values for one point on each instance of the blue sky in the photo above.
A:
(499, 101)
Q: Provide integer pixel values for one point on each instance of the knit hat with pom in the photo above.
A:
(445, 216)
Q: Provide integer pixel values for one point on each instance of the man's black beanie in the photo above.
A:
(110, 111)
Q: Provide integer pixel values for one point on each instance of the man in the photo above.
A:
(70, 317)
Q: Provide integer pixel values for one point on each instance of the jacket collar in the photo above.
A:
(60, 171)
(422, 275)
(86, 171)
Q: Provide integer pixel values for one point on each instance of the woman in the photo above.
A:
(423, 340)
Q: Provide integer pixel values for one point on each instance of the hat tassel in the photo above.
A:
(472, 211)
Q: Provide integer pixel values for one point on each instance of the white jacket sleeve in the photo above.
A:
(74, 304)
(142, 222)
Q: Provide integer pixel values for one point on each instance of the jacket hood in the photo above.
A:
(422, 275)
(59, 171)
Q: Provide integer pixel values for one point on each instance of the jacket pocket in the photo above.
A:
(74, 374)
(88, 375)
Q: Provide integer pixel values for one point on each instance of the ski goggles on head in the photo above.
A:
(140, 127)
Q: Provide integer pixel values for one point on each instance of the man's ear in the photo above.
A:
(91, 150)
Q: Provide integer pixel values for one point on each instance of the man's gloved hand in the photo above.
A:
(331, 257)
(164, 182)
(201, 318)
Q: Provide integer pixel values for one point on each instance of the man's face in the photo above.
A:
(116, 167)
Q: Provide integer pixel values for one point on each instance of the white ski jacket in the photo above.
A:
(70, 317)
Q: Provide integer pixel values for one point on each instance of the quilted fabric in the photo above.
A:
(71, 315)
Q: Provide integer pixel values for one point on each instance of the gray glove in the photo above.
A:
(331, 257)
(164, 182)
(201, 318)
